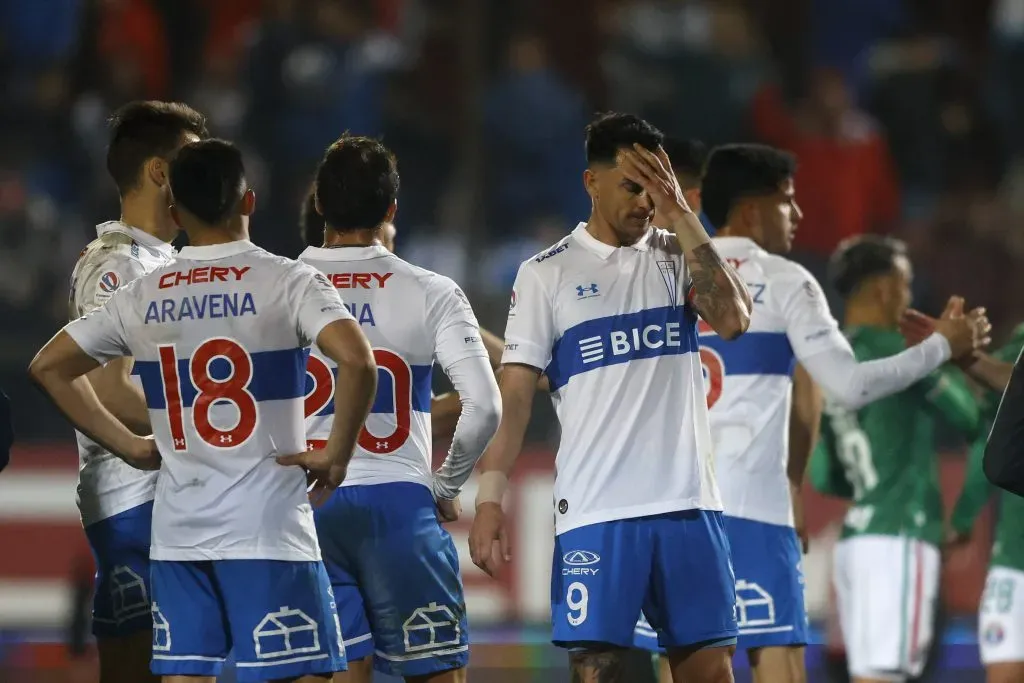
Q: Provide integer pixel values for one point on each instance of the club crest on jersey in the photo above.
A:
(109, 282)
(671, 278)
(587, 291)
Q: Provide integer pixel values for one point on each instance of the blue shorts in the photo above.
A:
(675, 567)
(120, 547)
(769, 586)
(395, 574)
(278, 618)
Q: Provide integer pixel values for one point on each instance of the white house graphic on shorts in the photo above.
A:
(128, 595)
(161, 631)
(431, 627)
(286, 633)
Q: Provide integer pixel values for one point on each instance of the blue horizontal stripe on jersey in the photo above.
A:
(384, 401)
(276, 376)
(598, 343)
(753, 353)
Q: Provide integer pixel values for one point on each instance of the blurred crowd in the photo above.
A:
(905, 116)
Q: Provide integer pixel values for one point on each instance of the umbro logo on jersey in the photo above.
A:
(587, 291)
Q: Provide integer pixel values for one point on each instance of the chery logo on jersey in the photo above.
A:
(581, 557)
(592, 344)
(359, 280)
(580, 562)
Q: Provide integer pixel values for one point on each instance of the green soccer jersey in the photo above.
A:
(1008, 550)
(883, 455)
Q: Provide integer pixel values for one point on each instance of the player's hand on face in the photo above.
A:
(653, 172)
(323, 475)
(449, 510)
(144, 454)
(488, 539)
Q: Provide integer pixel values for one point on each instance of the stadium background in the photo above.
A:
(905, 114)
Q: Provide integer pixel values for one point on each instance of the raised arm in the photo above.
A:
(821, 348)
(716, 290)
(804, 424)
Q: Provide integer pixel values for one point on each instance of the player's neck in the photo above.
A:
(367, 237)
(148, 215)
(208, 236)
(865, 315)
(602, 231)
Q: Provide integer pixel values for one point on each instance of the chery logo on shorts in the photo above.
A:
(580, 561)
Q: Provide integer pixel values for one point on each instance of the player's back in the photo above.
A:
(887, 450)
(749, 382)
(402, 309)
(119, 254)
(220, 339)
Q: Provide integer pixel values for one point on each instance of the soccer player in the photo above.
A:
(609, 314)
(1001, 612)
(764, 408)
(446, 408)
(115, 500)
(219, 338)
(393, 567)
(887, 562)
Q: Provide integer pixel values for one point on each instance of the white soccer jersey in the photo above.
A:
(749, 380)
(411, 316)
(120, 253)
(611, 329)
(220, 341)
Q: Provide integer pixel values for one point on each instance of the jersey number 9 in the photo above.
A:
(401, 379)
(233, 389)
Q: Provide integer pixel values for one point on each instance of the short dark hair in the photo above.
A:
(142, 130)
(687, 157)
(734, 172)
(356, 183)
(858, 258)
(208, 179)
(612, 131)
(311, 223)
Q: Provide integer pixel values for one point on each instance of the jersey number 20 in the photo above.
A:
(233, 389)
(401, 377)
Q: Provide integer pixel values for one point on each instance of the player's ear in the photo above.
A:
(249, 202)
(156, 171)
(590, 183)
(392, 210)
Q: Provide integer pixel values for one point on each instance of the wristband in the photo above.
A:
(491, 487)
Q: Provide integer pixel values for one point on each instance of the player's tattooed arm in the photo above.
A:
(606, 666)
(717, 291)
